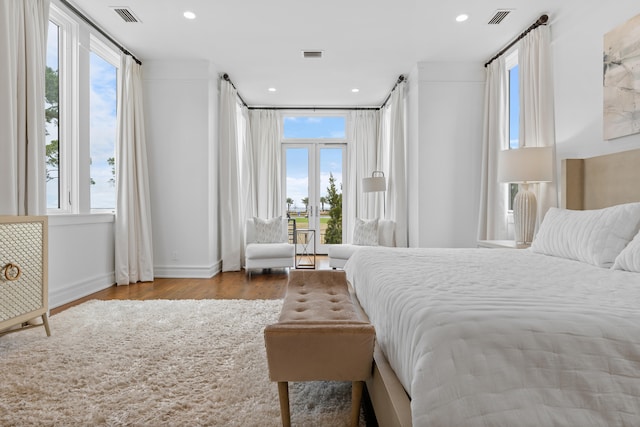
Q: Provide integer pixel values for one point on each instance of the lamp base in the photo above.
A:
(524, 215)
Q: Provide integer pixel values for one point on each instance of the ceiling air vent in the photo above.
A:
(499, 16)
(312, 54)
(125, 13)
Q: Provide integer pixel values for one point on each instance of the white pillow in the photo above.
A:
(629, 258)
(592, 236)
(365, 232)
(268, 230)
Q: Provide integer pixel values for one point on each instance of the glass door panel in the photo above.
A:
(297, 187)
(329, 220)
(313, 190)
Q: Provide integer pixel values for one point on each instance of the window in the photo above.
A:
(103, 103)
(80, 110)
(514, 113)
(52, 101)
(314, 151)
(314, 127)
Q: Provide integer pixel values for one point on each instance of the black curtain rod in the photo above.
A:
(108, 37)
(400, 80)
(541, 21)
(226, 77)
(315, 108)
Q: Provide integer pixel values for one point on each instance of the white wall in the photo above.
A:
(180, 111)
(577, 58)
(445, 138)
(81, 256)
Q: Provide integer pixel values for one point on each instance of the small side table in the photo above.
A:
(306, 255)
(501, 244)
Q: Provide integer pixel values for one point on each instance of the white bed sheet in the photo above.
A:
(502, 337)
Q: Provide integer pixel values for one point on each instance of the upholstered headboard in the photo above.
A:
(602, 181)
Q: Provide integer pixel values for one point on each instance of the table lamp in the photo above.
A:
(524, 166)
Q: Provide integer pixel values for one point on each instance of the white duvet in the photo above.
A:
(491, 337)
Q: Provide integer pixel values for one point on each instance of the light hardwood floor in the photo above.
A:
(232, 285)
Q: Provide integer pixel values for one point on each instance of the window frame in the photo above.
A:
(343, 143)
(76, 42)
(67, 109)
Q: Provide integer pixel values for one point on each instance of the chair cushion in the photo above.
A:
(269, 250)
(343, 251)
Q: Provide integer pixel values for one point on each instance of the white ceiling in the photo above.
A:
(367, 44)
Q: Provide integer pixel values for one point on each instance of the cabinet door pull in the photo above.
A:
(12, 272)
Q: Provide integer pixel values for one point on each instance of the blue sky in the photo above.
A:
(297, 159)
(103, 102)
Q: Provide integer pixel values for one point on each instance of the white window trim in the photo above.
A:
(68, 109)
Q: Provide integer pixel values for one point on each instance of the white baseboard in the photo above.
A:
(187, 271)
(74, 291)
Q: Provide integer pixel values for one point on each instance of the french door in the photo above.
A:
(313, 176)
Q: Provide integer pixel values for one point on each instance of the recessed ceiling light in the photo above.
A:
(189, 15)
(461, 18)
(355, 90)
(272, 89)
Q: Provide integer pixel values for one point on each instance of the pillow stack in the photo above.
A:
(596, 237)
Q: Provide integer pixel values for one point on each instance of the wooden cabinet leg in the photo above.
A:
(356, 397)
(45, 320)
(283, 393)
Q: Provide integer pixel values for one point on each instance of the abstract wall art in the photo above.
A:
(621, 80)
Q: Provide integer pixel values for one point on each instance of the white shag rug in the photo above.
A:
(156, 363)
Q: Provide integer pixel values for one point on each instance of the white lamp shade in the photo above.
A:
(374, 183)
(526, 164)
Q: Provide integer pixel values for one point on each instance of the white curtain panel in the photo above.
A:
(23, 46)
(267, 166)
(248, 198)
(362, 161)
(492, 219)
(231, 214)
(134, 246)
(394, 160)
(537, 128)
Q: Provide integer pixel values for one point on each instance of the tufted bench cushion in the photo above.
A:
(320, 336)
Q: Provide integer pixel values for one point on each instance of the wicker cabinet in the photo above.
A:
(23, 273)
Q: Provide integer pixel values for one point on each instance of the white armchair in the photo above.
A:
(274, 253)
(339, 254)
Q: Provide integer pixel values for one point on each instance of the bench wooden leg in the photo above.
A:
(283, 393)
(356, 397)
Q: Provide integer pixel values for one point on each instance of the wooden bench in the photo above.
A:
(320, 336)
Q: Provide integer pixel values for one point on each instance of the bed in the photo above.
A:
(499, 337)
